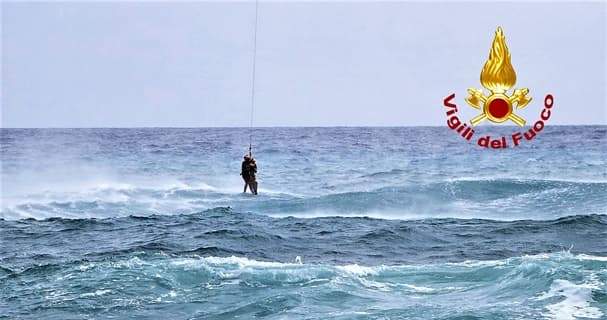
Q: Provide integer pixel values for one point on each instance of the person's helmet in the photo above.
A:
(246, 156)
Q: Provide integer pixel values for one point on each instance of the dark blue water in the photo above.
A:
(350, 223)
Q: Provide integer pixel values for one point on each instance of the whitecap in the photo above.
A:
(576, 301)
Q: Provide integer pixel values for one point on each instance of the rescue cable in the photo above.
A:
(253, 80)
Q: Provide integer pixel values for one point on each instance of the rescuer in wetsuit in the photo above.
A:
(252, 166)
(244, 172)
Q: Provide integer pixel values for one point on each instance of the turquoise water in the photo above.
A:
(350, 223)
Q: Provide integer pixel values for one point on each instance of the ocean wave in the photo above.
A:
(225, 232)
(499, 199)
(550, 285)
(350, 223)
(575, 300)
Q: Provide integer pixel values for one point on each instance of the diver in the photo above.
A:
(244, 172)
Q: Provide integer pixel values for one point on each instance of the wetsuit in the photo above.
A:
(252, 173)
(244, 172)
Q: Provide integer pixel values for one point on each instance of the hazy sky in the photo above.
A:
(128, 64)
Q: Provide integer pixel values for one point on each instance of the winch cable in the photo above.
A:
(253, 79)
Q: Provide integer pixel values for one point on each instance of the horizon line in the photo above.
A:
(294, 127)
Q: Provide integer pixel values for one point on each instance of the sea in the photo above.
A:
(349, 223)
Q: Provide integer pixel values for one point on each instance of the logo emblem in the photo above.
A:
(498, 76)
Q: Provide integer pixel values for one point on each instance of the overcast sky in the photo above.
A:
(128, 64)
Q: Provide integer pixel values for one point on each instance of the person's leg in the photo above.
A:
(254, 187)
(251, 183)
(246, 183)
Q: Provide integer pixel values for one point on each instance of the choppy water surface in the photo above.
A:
(351, 223)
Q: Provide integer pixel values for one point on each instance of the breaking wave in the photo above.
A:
(543, 286)
(498, 199)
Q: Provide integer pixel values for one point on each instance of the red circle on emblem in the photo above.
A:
(499, 108)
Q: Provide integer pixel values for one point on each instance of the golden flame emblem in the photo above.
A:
(498, 76)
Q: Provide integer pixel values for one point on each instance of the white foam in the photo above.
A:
(96, 293)
(158, 197)
(591, 257)
(420, 289)
(357, 270)
(242, 262)
(565, 254)
(479, 263)
(525, 179)
(408, 214)
(576, 301)
(361, 270)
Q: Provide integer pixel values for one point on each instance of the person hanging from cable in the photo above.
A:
(249, 166)
(253, 176)
(244, 172)
(249, 173)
